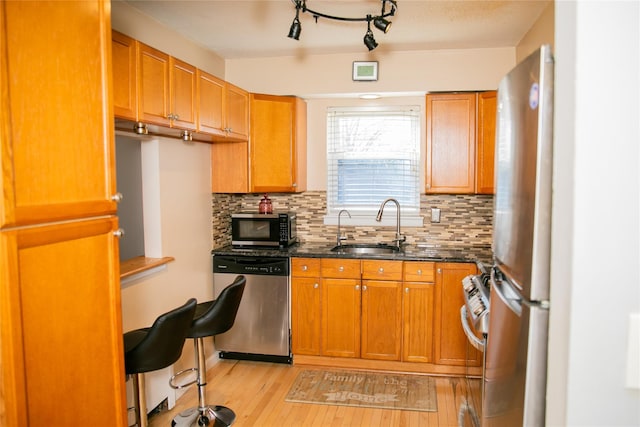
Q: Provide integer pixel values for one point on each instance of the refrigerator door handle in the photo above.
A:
(473, 339)
(514, 305)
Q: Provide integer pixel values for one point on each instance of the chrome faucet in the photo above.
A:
(340, 237)
(399, 237)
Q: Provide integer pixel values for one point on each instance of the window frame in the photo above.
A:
(410, 216)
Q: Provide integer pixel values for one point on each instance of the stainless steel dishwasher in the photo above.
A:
(261, 330)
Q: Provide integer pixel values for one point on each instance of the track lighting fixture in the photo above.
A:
(379, 21)
(382, 24)
(369, 41)
(296, 28)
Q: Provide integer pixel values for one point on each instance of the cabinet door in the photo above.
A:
(417, 322)
(450, 341)
(210, 104)
(451, 139)
(62, 351)
(229, 167)
(124, 58)
(381, 326)
(305, 315)
(59, 94)
(417, 311)
(182, 94)
(236, 102)
(341, 317)
(153, 104)
(486, 142)
(275, 148)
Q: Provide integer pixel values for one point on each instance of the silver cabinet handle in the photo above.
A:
(439, 271)
(357, 287)
(117, 197)
(316, 286)
(364, 288)
(381, 270)
(305, 268)
(419, 272)
(341, 268)
(406, 290)
(119, 233)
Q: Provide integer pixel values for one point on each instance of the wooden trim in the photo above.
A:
(385, 365)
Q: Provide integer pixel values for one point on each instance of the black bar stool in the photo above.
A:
(211, 318)
(150, 349)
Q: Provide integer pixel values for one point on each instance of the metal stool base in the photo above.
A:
(213, 416)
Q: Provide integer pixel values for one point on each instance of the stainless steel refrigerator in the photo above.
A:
(516, 353)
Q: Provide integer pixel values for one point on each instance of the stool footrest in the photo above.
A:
(213, 416)
(175, 386)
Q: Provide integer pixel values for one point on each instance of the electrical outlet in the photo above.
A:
(435, 215)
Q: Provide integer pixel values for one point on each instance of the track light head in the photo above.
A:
(382, 24)
(369, 41)
(295, 29)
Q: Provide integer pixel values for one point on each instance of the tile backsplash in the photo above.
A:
(465, 220)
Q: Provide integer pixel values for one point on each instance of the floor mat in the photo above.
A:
(365, 389)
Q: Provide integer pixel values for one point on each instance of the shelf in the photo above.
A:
(140, 264)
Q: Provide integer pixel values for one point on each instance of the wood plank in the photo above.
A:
(256, 392)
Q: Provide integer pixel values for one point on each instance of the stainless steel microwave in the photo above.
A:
(256, 229)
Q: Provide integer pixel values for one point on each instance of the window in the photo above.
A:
(373, 154)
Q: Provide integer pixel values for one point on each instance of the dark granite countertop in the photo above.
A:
(437, 252)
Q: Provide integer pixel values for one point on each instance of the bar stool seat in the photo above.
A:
(211, 318)
(154, 348)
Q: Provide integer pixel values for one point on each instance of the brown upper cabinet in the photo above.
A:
(153, 94)
(182, 94)
(485, 180)
(125, 73)
(278, 141)
(155, 88)
(460, 133)
(223, 109)
(167, 90)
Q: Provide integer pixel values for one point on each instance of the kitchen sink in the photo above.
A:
(366, 249)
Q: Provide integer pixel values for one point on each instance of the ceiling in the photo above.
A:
(258, 28)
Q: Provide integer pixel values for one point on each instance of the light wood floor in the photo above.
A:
(256, 392)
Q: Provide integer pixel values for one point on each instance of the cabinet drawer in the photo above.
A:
(381, 270)
(416, 271)
(340, 268)
(305, 267)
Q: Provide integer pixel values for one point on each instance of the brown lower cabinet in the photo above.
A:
(450, 344)
(379, 310)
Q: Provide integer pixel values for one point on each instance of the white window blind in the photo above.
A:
(373, 153)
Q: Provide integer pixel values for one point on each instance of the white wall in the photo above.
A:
(403, 78)
(131, 22)
(410, 71)
(595, 276)
(540, 33)
(183, 213)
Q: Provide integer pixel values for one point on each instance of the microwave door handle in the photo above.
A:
(473, 339)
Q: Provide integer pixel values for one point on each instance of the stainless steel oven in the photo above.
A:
(474, 317)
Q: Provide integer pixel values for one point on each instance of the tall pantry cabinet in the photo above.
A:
(61, 354)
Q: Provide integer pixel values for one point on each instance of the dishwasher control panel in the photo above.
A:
(266, 266)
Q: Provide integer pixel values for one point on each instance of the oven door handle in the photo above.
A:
(473, 339)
